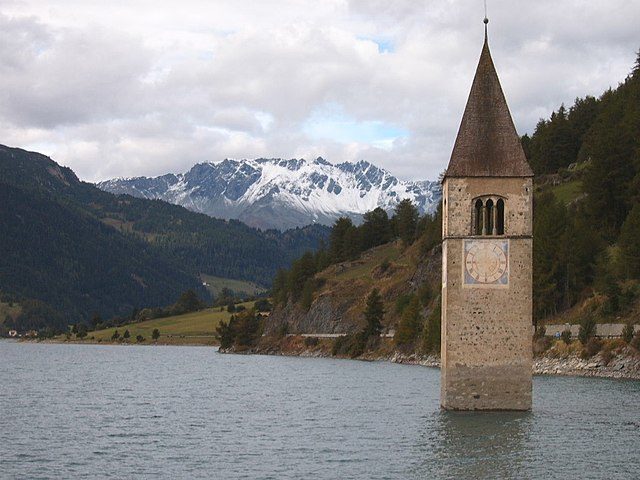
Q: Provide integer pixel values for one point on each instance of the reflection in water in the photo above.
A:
(474, 445)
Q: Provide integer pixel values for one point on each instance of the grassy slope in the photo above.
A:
(239, 287)
(349, 283)
(196, 327)
(568, 192)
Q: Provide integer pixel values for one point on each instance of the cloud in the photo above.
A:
(140, 88)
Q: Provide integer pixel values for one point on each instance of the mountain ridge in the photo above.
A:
(281, 193)
(76, 250)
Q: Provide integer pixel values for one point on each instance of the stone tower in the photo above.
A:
(487, 257)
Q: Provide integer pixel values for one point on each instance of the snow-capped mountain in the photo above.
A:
(276, 193)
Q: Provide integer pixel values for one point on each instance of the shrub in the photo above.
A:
(565, 336)
(311, 341)
(384, 266)
(425, 293)
(139, 338)
(263, 305)
(592, 347)
(402, 301)
(542, 344)
(81, 331)
(352, 345)
(587, 329)
(627, 332)
(607, 352)
(282, 330)
(540, 332)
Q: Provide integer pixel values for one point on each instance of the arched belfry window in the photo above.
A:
(477, 220)
(500, 217)
(488, 216)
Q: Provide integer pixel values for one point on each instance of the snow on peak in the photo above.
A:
(281, 193)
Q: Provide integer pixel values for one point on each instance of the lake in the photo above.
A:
(89, 411)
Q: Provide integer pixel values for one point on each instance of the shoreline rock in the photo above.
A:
(625, 365)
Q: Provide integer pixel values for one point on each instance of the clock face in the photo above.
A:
(486, 262)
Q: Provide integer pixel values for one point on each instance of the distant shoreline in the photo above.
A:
(621, 367)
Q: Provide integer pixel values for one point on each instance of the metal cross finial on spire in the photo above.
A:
(486, 20)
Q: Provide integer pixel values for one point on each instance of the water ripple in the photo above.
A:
(80, 411)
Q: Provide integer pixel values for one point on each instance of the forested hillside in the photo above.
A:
(587, 209)
(586, 237)
(70, 250)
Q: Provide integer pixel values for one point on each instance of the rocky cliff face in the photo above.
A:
(339, 304)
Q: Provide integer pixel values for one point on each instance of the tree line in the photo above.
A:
(347, 241)
(589, 242)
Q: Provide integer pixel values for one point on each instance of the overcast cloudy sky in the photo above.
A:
(125, 87)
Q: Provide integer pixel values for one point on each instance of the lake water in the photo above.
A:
(84, 411)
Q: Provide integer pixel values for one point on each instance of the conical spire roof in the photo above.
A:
(487, 144)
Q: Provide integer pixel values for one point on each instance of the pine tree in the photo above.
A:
(376, 229)
(409, 323)
(224, 334)
(629, 243)
(373, 314)
(338, 241)
(406, 221)
(431, 331)
(548, 229)
(279, 290)
(302, 269)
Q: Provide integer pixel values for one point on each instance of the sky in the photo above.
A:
(139, 87)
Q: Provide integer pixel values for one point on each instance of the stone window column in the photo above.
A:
(484, 219)
(494, 210)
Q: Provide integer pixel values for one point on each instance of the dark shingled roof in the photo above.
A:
(487, 144)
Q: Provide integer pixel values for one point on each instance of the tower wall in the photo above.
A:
(487, 328)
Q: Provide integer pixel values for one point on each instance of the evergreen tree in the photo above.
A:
(306, 298)
(126, 334)
(188, 302)
(81, 331)
(406, 221)
(430, 230)
(302, 269)
(577, 253)
(155, 335)
(548, 230)
(431, 332)
(339, 239)
(409, 323)
(246, 328)
(629, 243)
(280, 293)
(224, 334)
(373, 314)
(375, 229)
(627, 332)
(96, 320)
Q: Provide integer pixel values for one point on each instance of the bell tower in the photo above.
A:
(487, 256)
